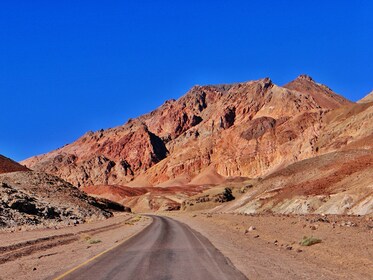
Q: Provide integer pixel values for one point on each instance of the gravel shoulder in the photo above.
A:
(47, 253)
(271, 249)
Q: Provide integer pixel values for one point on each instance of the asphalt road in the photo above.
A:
(167, 249)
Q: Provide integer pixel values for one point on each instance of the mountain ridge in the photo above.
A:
(189, 134)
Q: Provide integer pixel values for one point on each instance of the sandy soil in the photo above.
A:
(272, 250)
(45, 254)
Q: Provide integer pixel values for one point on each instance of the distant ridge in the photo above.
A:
(8, 165)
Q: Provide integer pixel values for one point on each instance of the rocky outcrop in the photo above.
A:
(32, 198)
(114, 156)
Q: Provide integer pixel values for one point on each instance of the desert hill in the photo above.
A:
(367, 99)
(334, 183)
(245, 129)
(30, 198)
(8, 165)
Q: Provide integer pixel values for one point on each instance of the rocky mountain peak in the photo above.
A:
(305, 77)
(265, 83)
(322, 94)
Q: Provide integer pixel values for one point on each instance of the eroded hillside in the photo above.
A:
(244, 129)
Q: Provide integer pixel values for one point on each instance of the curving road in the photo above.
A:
(166, 249)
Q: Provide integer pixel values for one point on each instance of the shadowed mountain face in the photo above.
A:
(8, 165)
(241, 130)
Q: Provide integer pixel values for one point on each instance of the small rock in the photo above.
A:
(313, 227)
(252, 228)
(256, 236)
(299, 251)
(34, 269)
(289, 247)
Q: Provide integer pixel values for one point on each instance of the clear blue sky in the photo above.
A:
(67, 67)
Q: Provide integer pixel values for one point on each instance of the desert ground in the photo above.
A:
(47, 253)
(264, 246)
(267, 246)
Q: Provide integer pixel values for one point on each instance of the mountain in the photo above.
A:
(301, 147)
(367, 99)
(245, 129)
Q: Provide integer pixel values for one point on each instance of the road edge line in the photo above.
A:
(100, 254)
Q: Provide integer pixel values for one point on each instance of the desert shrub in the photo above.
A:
(308, 241)
(228, 194)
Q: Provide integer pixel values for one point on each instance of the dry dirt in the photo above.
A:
(47, 253)
(272, 250)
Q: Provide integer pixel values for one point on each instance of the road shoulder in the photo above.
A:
(270, 249)
(48, 253)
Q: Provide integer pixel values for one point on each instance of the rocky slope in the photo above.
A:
(9, 165)
(34, 198)
(246, 129)
(29, 198)
(367, 99)
(145, 199)
(334, 183)
(336, 180)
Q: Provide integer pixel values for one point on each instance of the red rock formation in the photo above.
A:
(244, 129)
(7, 165)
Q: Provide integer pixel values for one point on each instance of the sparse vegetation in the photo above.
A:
(227, 194)
(133, 220)
(308, 241)
(94, 241)
(89, 239)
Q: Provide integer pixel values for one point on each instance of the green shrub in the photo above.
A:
(308, 241)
